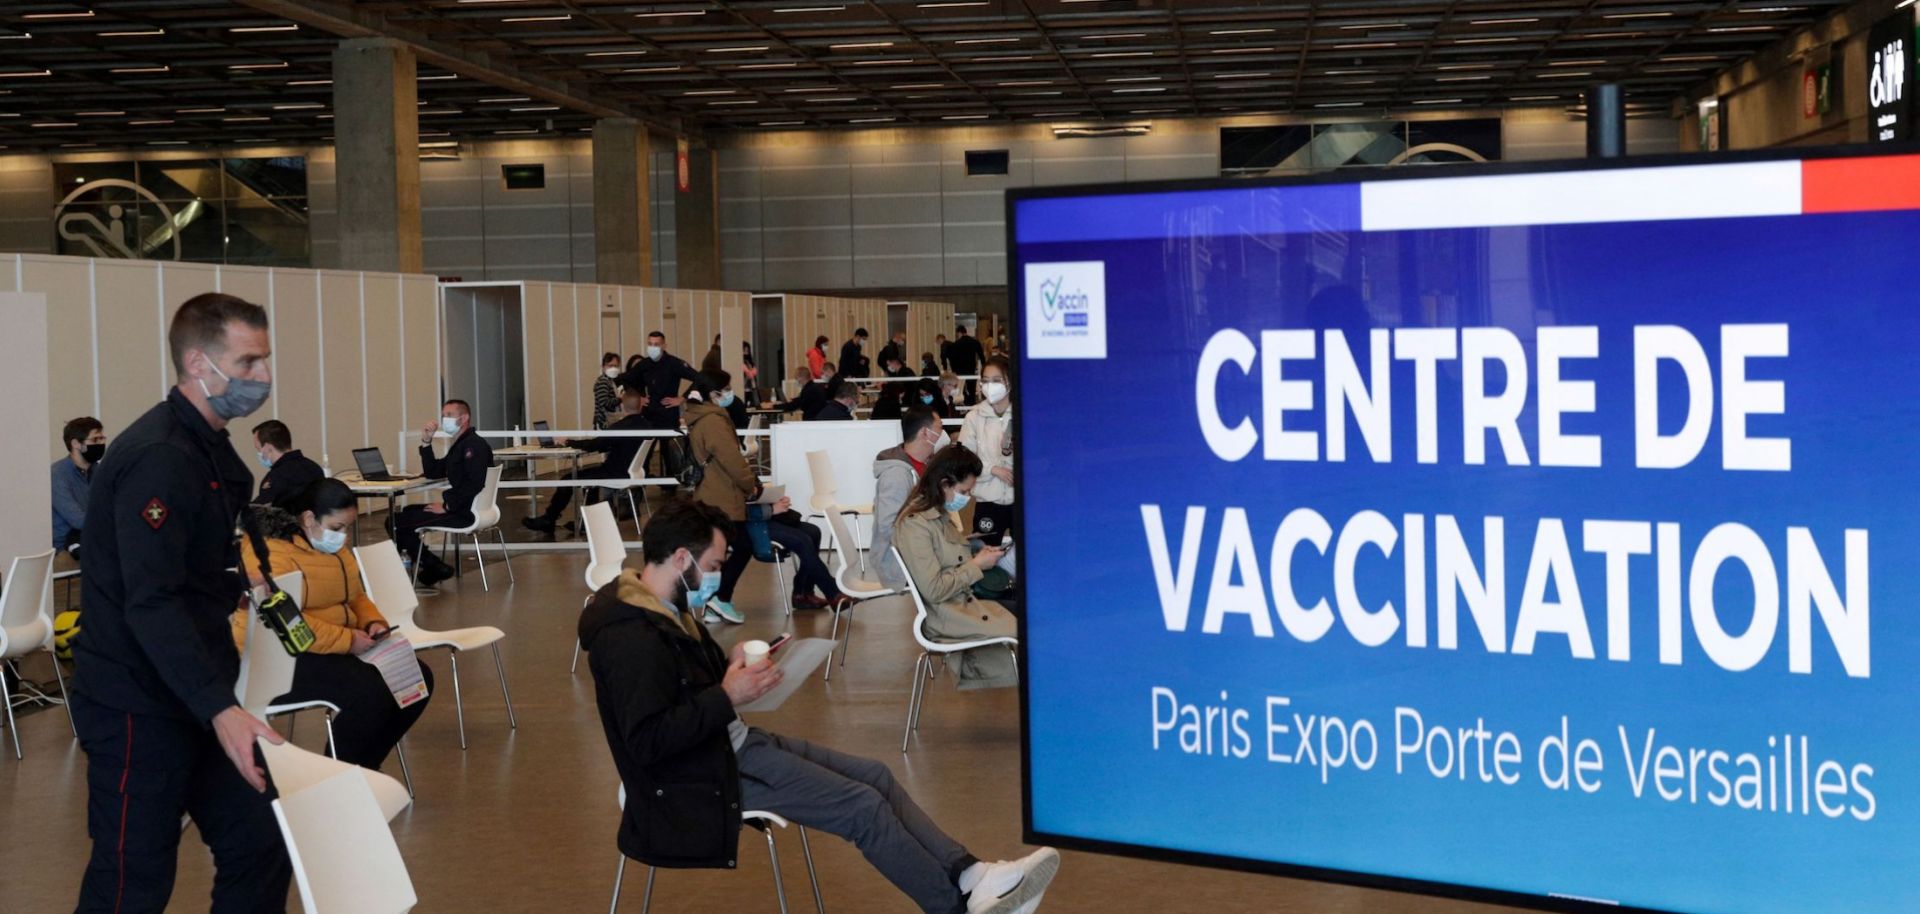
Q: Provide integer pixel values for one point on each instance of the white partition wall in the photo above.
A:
(26, 504)
(852, 445)
(356, 355)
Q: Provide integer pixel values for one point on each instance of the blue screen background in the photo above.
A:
(1100, 438)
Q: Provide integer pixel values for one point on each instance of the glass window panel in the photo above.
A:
(71, 176)
(268, 232)
(283, 176)
(182, 180)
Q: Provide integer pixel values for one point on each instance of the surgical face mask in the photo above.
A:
(995, 391)
(330, 541)
(93, 452)
(450, 425)
(264, 461)
(610, 371)
(941, 443)
(958, 502)
(653, 352)
(724, 399)
(926, 399)
(697, 597)
(241, 398)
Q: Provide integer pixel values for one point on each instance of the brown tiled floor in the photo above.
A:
(523, 820)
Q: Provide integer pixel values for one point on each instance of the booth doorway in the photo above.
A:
(485, 353)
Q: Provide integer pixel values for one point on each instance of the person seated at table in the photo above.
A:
(814, 394)
(667, 695)
(289, 472)
(465, 470)
(86, 442)
(889, 404)
(928, 367)
(840, 408)
(950, 391)
(309, 535)
(619, 451)
(944, 568)
(928, 394)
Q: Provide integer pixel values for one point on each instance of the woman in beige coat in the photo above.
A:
(726, 482)
(944, 567)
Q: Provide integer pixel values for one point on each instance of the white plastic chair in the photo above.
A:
(343, 853)
(826, 490)
(767, 820)
(606, 553)
(851, 584)
(295, 769)
(637, 471)
(266, 673)
(26, 625)
(390, 589)
(923, 668)
(486, 518)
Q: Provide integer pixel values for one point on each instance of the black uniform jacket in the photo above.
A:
(159, 539)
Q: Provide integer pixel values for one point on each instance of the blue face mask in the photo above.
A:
(264, 461)
(724, 400)
(926, 399)
(330, 541)
(959, 501)
(450, 425)
(697, 597)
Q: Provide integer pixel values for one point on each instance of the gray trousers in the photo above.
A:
(856, 799)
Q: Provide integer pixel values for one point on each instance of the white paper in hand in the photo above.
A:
(797, 659)
(393, 657)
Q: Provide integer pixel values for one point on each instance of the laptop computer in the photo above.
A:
(373, 467)
(540, 428)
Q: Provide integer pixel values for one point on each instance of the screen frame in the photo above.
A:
(1016, 316)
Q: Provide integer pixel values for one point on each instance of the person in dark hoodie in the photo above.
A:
(666, 694)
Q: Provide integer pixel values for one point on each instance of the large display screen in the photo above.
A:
(1544, 536)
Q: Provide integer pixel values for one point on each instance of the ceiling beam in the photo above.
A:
(348, 22)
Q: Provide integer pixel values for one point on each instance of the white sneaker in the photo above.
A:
(1014, 886)
(1032, 905)
(718, 610)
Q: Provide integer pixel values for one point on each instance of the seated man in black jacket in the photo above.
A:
(813, 394)
(465, 470)
(619, 453)
(840, 408)
(289, 472)
(666, 694)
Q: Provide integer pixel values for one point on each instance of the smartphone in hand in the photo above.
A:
(777, 643)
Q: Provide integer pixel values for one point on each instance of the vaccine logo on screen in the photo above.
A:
(1067, 310)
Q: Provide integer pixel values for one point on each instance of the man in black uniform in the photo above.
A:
(660, 376)
(465, 470)
(289, 472)
(852, 363)
(619, 460)
(154, 688)
(965, 357)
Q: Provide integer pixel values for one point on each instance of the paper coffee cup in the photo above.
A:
(756, 651)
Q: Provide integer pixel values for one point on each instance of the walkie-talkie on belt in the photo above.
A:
(277, 610)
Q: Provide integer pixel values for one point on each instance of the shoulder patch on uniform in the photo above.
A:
(155, 513)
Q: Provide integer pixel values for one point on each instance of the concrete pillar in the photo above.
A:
(1606, 121)
(376, 142)
(622, 236)
(696, 224)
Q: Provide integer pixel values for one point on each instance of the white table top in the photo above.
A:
(532, 452)
(381, 487)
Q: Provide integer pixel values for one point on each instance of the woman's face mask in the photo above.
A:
(611, 371)
(325, 538)
(926, 399)
(723, 399)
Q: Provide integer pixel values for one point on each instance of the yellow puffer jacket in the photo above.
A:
(335, 602)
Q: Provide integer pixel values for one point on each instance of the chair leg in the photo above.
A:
(646, 900)
(505, 556)
(574, 667)
(833, 634)
(451, 543)
(65, 699)
(913, 699)
(813, 878)
(634, 512)
(418, 551)
(333, 751)
(6, 697)
(459, 707)
(480, 555)
(618, 875)
(779, 890)
(501, 668)
(406, 774)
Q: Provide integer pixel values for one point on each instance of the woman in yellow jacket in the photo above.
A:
(944, 567)
(312, 540)
(726, 481)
